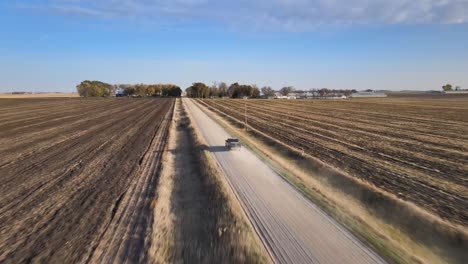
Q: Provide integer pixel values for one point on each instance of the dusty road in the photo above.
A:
(293, 229)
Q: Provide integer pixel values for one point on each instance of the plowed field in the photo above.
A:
(414, 148)
(77, 178)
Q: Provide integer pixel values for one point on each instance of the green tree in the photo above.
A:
(129, 90)
(189, 92)
(151, 90)
(233, 89)
(93, 89)
(141, 90)
(237, 90)
(447, 87)
(176, 91)
(170, 90)
(198, 90)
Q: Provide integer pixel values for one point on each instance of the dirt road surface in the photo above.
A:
(293, 229)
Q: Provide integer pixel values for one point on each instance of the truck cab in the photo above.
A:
(233, 143)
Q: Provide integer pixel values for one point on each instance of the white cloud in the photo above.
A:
(291, 15)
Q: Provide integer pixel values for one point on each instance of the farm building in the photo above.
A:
(280, 96)
(456, 92)
(334, 96)
(318, 95)
(367, 94)
(285, 97)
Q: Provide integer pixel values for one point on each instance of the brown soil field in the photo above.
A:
(414, 148)
(424, 95)
(39, 95)
(78, 178)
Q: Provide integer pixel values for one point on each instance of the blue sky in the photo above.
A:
(52, 45)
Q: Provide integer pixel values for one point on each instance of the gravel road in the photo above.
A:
(293, 229)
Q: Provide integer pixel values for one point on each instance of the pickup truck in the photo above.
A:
(233, 143)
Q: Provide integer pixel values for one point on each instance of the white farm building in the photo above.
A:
(367, 94)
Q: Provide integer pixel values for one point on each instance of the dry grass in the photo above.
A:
(197, 217)
(163, 241)
(350, 210)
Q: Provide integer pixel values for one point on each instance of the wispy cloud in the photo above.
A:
(289, 15)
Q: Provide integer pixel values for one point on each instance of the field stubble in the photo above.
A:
(417, 152)
(76, 177)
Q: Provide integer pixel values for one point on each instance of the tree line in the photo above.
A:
(198, 90)
(326, 91)
(143, 90)
(101, 89)
(235, 90)
(93, 89)
(285, 91)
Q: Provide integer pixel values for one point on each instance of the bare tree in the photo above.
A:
(222, 89)
(268, 91)
(286, 90)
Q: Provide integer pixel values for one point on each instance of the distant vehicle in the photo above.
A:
(233, 143)
(119, 92)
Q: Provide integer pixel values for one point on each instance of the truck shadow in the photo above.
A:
(214, 149)
(217, 148)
